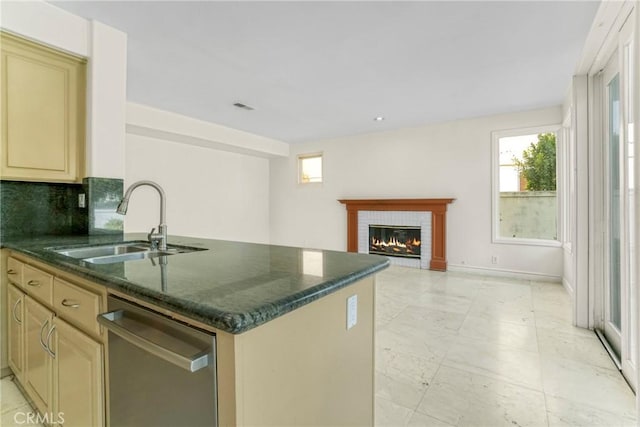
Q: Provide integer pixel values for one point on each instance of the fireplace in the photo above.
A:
(428, 214)
(395, 240)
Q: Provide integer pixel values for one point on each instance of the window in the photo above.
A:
(525, 202)
(310, 168)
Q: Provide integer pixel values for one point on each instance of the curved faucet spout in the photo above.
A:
(159, 238)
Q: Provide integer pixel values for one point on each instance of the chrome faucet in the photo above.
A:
(157, 240)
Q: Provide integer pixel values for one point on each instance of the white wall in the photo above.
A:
(216, 178)
(210, 193)
(444, 160)
(106, 101)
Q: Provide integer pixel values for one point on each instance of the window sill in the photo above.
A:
(310, 185)
(527, 242)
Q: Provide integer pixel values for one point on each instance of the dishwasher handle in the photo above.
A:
(190, 363)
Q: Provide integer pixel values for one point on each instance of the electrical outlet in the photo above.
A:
(494, 259)
(82, 201)
(352, 311)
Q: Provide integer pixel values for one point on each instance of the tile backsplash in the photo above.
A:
(38, 208)
(41, 208)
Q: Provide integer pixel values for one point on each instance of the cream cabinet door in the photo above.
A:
(15, 320)
(38, 367)
(77, 376)
(43, 112)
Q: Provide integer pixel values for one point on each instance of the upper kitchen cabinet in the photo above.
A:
(43, 112)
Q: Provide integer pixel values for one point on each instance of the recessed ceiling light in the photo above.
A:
(243, 106)
(378, 119)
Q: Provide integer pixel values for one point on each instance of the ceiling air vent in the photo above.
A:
(243, 106)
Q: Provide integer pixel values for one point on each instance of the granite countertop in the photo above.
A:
(231, 286)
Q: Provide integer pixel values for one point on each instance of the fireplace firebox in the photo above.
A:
(393, 240)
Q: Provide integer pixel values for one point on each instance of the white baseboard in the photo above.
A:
(484, 271)
(568, 287)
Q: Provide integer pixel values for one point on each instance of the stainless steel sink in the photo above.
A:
(100, 251)
(131, 256)
(126, 251)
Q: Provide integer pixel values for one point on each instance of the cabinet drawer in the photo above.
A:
(38, 284)
(77, 305)
(14, 271)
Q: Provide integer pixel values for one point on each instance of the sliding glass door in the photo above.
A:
(629, 296)
(619, 301)
(612, 322)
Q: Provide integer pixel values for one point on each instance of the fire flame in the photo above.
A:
(394, 242)
(395, 245)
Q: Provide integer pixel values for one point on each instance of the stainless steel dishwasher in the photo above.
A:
(161, 372)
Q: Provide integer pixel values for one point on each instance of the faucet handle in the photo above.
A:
(153, 238)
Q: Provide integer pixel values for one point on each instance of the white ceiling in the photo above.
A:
(322, 69)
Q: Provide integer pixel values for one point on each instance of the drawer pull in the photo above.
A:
(15, 317)
(33, 283)
(67, 303)
(11, 271)
(48, 340)
(44, 325)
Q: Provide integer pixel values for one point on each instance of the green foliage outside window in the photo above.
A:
(538, 164)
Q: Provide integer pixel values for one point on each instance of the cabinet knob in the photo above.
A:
(11, 272)
(33, 283)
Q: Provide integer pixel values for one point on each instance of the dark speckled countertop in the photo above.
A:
(231, 286)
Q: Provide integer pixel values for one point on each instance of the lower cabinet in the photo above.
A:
(15, 322)
(38, 378)
(77, 376)
(55, 350)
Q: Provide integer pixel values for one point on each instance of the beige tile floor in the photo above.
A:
(14, 408)
(461, 350)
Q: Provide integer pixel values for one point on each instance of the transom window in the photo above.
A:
(310, 168)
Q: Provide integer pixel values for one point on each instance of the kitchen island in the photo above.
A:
(285, 355)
